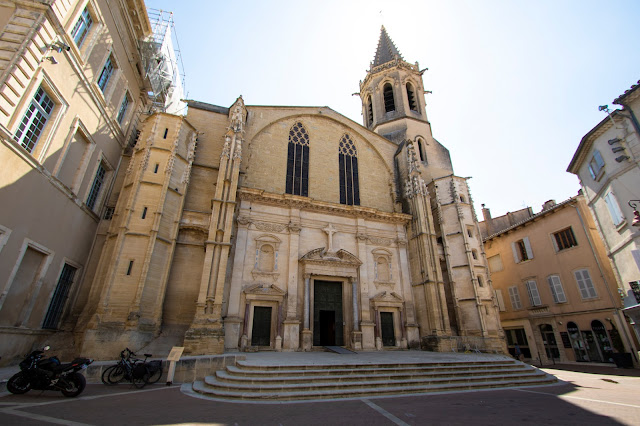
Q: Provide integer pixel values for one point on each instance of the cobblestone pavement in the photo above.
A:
(591, 396)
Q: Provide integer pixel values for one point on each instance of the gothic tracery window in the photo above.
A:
(298, 161)
(348, 168)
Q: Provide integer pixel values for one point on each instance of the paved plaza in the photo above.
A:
(587, 395)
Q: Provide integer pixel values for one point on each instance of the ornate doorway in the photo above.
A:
(327, 314)
(386, 326)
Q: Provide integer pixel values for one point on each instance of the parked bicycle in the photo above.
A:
(135, 370)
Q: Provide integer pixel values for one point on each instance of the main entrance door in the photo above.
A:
(261, 332)
(327, 314)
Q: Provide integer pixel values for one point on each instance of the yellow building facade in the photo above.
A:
(558, 297)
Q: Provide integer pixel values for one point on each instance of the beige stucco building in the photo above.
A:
(277, 228)
(607, 162)
(557, 292)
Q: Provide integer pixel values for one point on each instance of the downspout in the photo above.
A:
(617, 312)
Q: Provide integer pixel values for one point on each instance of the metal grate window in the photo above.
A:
(34, 120)
(60, 296)
(107, 70)
(96, 186)
(82, 27)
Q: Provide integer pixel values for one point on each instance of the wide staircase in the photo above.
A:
(251, 382)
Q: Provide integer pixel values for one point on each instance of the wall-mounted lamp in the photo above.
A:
(636, 215)
(59, 46)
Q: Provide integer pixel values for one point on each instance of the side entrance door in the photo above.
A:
(261, 332)
(386, 326)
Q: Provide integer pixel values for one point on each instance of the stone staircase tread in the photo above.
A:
(359, 375)
(201, 388)
(332, 369)
(250, 366)
(212, 381)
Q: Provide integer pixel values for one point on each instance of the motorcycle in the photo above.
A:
(40, 373)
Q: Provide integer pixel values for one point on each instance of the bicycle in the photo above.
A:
(139, 372)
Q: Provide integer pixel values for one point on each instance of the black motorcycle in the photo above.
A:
(42, 373)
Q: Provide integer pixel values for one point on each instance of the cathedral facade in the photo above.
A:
(292, 228)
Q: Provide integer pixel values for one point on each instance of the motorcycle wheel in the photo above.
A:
(75, 384)
(18, 384)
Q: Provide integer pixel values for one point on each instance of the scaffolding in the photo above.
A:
(163, 64)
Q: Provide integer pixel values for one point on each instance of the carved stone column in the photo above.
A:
(356, 334)
(291, 334)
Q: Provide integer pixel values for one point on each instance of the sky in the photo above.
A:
(515, 84)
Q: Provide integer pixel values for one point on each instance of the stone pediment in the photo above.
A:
(341, 257)
(387, 297)
(263, 289)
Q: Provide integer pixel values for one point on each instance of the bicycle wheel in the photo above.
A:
(139, 376)
(155, 372)
(105, 374)
(117, 375)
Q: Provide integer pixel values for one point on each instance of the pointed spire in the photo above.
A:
(387, 51)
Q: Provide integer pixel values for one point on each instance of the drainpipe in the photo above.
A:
(617, 312)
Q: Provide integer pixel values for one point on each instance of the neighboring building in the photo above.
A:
(72, 89)
(607, 162)
(556, 290)
(292, 228)
(241, 228)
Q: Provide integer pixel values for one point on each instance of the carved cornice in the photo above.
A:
(309, 204)
(269, 227)
(320, 257)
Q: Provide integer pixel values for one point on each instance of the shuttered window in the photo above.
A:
(556, 289)
(514, 295)
(587, 290)
(534, 295)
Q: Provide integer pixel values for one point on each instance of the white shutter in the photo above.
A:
(587, 291)
(527, 247)
(500, 300)
(614, 208)
(534, 296)
(515, 298)
(555, 243)
(516, 256)
(556, 289)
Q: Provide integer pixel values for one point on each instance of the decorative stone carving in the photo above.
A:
(361, 236)
(145, 160)
(269, 227)
(415, 186)
(237, 153)
(226, 149)
(244, 220)
(380, 241)
(294, 227)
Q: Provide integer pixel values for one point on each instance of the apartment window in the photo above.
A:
(495, 263)
(522, 250)
(587, 290)
(98, 180)
(614, 208)
(500, 300)
(105, 75)
(596, 165)
(60, 295)
(348, 168)
(122, 112)
(534, 295)
(82, 27)
(514, 295)
(34, 120)
(556, 289)
(564, 239)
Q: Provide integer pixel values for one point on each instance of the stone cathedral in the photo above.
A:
(292, 228)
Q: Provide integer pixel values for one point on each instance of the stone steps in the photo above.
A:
(247, 381)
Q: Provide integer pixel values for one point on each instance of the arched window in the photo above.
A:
(348, 167)
(298, 161)
(411, 97)
(423, 153)
(389, 103)
(370, 110)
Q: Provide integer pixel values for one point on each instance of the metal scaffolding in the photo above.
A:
(163, 64)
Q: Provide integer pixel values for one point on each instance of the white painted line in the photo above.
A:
(582, 399)
(384, 413)
(41, 418)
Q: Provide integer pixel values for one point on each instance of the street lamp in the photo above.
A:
(636, 215)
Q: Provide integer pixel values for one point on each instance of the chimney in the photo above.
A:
(486, 214)
(548, 204)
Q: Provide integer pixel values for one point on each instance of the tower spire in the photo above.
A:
(386, 51)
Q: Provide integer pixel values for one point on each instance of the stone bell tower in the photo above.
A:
(455, 304)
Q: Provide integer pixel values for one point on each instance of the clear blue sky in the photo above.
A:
(516, 84)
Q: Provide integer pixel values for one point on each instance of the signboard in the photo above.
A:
(176, 353)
